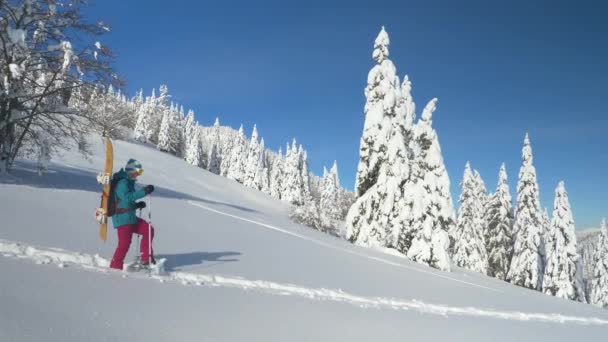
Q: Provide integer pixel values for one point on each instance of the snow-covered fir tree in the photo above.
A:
(309, 213)
(153, 124)
(380, 217)
(252, 160)
(188, 130)
(276, 176)
(382, 94)
(143, 122)
(562, 277)
(305, 171)
(262, 176)
(193, 153)
(161, 106)
(599, 281)
(330, 193)
(527, 264)
(433, 213)
(214, 161)
(482, 198)
(293, 185)
(499, 233)
(238, 156)
(168, 138)
(469, 249)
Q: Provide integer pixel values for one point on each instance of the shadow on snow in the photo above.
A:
(176, 261)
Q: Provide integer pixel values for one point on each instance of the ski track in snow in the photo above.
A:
(62, 258)
(285, 231)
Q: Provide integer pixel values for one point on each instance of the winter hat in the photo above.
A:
(133, 166)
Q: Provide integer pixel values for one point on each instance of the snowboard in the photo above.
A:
(104, 178)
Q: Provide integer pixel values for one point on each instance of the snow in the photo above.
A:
(17, 36)
(237, 269)
(16, 70)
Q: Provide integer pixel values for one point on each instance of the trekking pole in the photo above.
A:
(150, 228)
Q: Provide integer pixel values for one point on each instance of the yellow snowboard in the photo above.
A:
(104, 178)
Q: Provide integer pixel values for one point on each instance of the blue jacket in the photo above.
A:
(125, 198)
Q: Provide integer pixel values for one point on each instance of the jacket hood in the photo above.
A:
(122, 174)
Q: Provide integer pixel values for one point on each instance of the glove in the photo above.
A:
(139, 205)
(148, 189)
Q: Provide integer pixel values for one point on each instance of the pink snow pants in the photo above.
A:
(125, 234)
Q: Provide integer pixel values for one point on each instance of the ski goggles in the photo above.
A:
(139, 172)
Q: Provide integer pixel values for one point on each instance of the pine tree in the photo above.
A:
(252, 160)
(599, 282)
(330, 193)
(527, 264)
(433, 214)
(293, 186)
(380, 92)
(188, 129)
(482, 197)
(193, 153)
(469, 249)
(214, 162)
(161, 106)
(143, 122)
(305, 171)
(562, 276)
(151, 133)
(164, 134)
(380, 217)
(238, 154)
(499, 235)
(262, 176)
(276, 176)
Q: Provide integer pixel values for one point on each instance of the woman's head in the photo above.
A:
(134, 169)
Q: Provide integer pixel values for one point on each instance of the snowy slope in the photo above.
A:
(238, 269)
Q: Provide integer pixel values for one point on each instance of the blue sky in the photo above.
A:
(499, 69)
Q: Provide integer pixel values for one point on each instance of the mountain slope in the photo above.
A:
(260, 276)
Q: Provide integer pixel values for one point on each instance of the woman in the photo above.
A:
(124, 220)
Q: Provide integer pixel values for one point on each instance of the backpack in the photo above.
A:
(112, 200)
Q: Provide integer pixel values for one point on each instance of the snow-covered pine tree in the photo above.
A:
(262, 176)
(164, 134)
(467, 238)
(188, 129)
(252, 160)
(214, 162)
(380, 216)
(562, 276)
(305, 171)
(277, 175)
(330, 193)
(527, 264)
(545, 235)
(143, 122)
(137, 101)
(381, 90)
(160, 108)
(193, 153)
(433, 214)
(309, 213)
(599, 282)
(153, 124)
(499, 235)
(238, 154)
(293, 186)
(482, 197)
